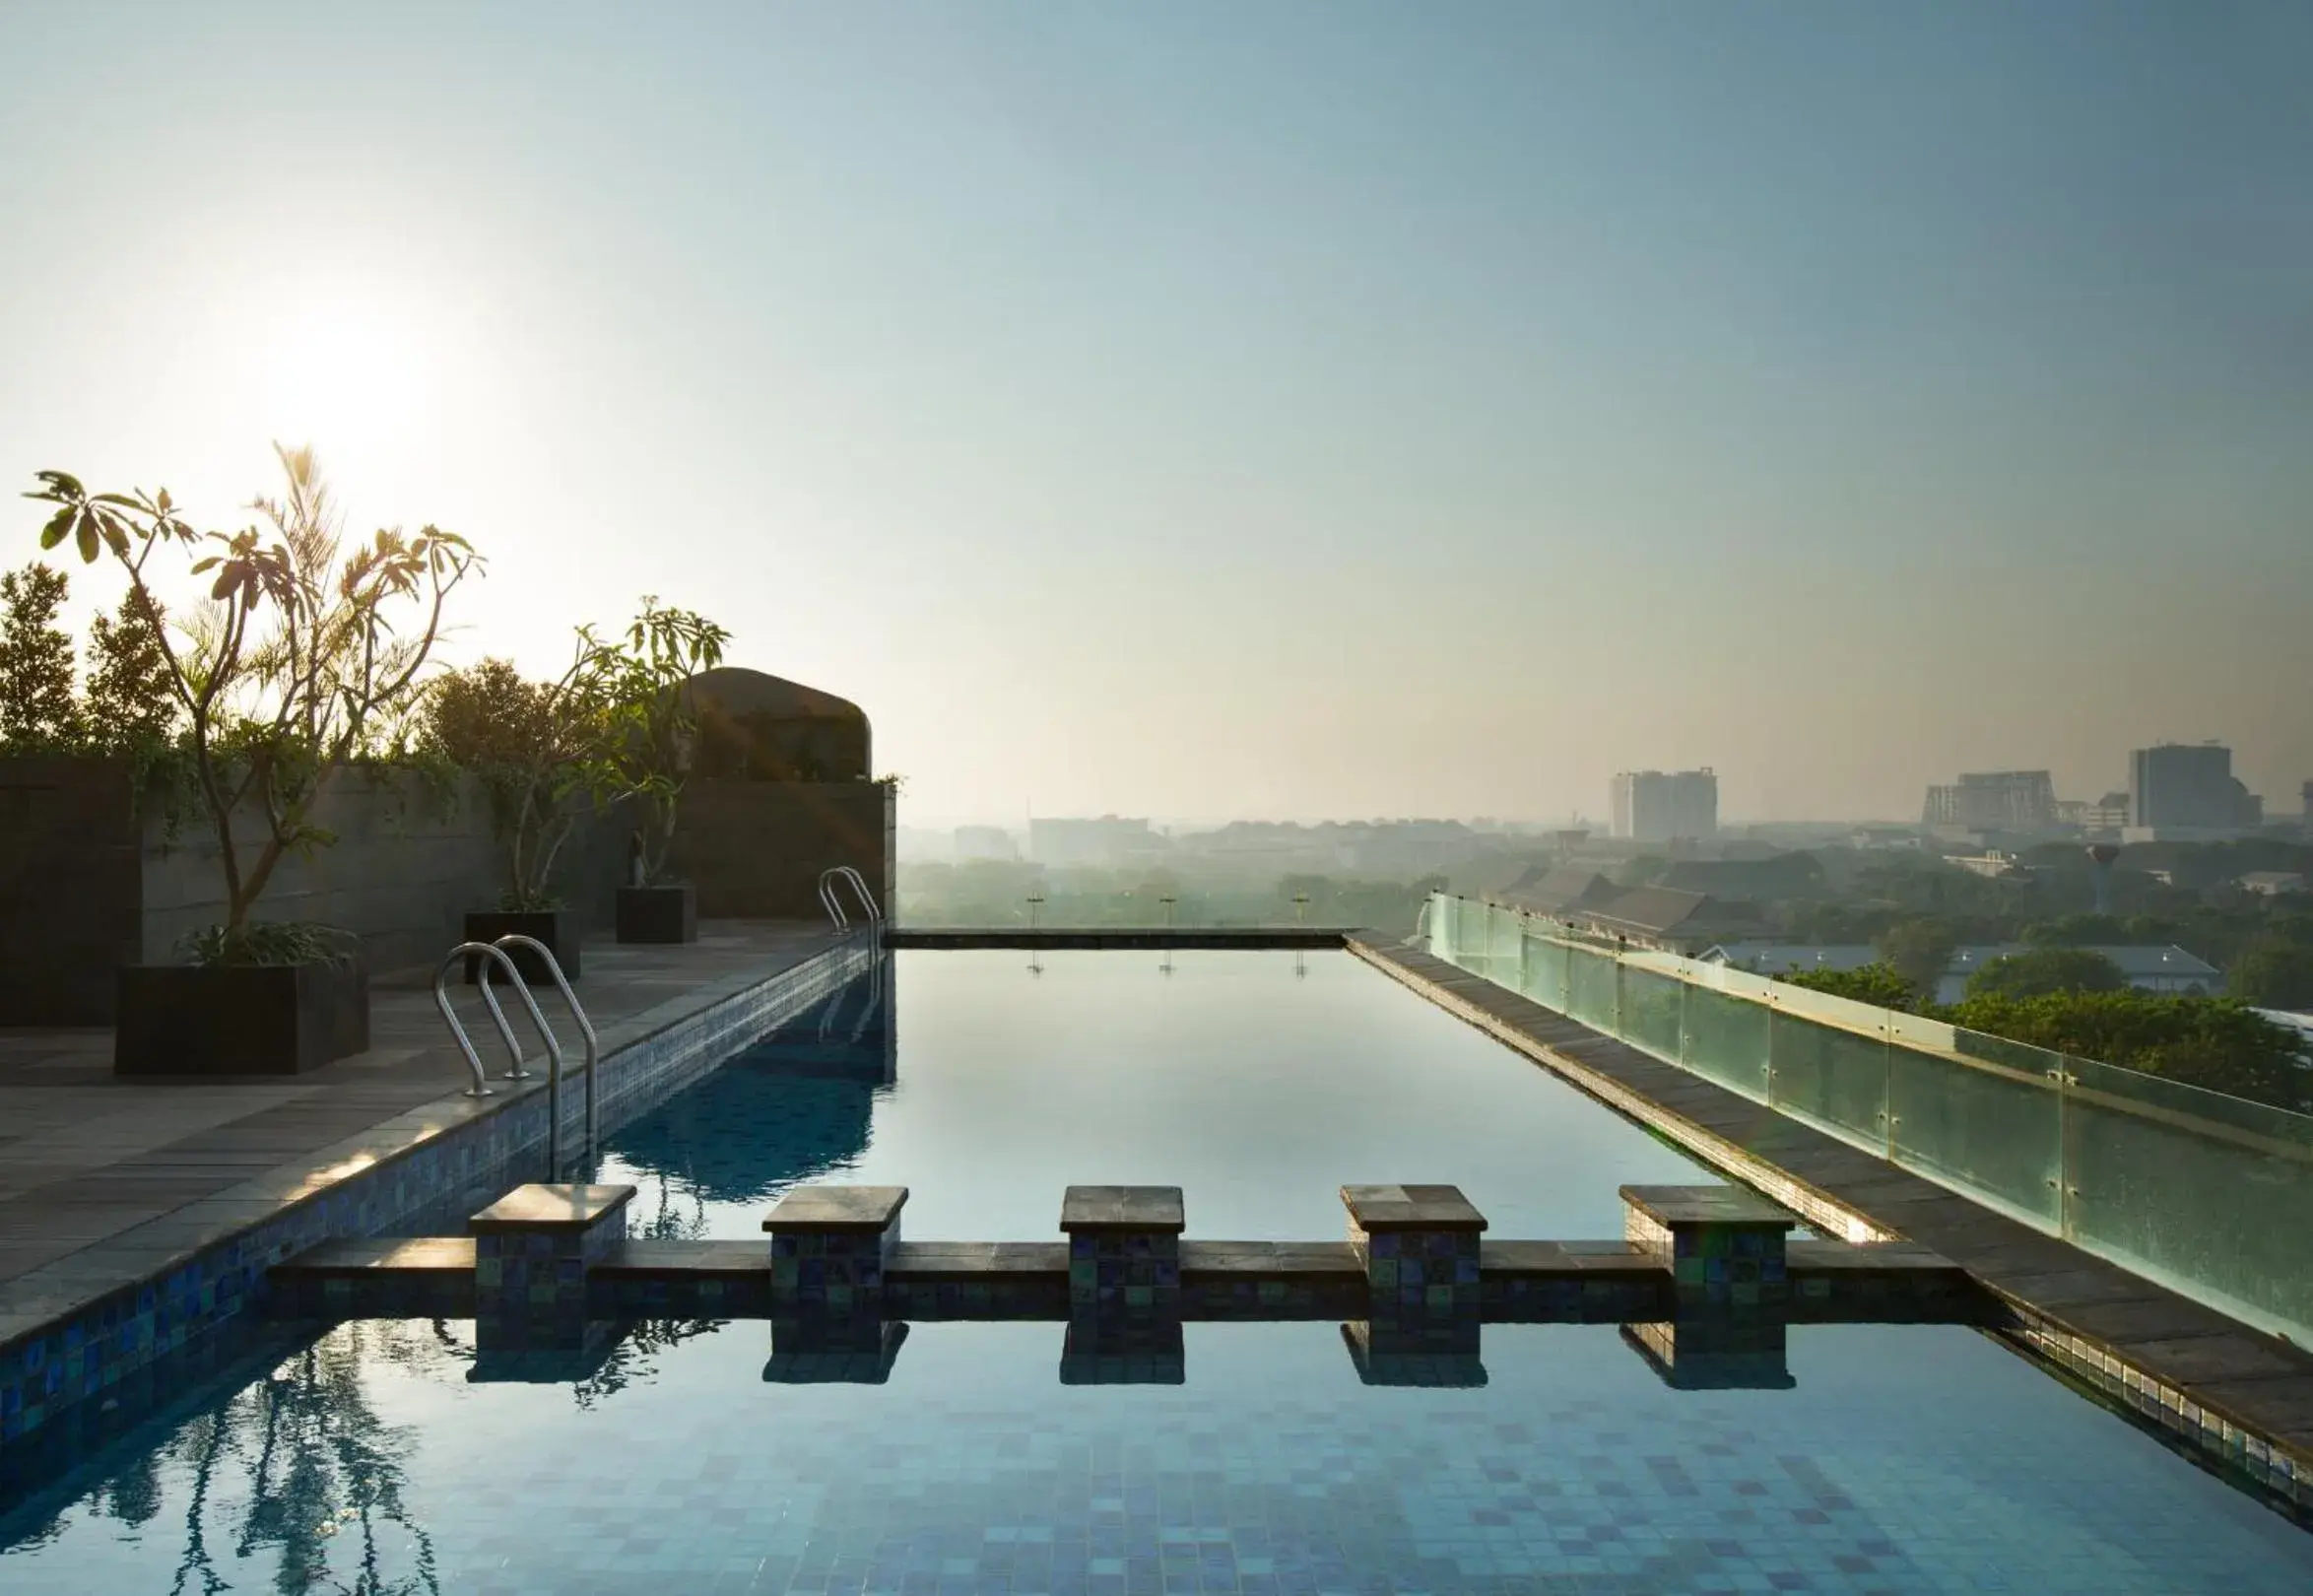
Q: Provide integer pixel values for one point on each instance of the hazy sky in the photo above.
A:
(1286, 409)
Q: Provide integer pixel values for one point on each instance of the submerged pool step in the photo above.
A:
(1536, 1281)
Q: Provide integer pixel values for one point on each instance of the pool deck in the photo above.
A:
(102, 1180)
(2178, 1362)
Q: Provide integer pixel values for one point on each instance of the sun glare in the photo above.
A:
(347, 373)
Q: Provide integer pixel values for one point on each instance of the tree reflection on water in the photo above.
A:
(298, 1468)
(296, 1471)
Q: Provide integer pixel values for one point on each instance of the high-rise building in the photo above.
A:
(2188, 787)
(1993, 801)
(1665, 806)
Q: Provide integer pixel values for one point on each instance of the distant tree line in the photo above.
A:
(2072, 1001)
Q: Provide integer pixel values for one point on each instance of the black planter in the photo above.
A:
(658, 913)
(557, 928)
(238, 1019)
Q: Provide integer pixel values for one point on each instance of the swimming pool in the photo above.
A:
(1259, 1083)
(366, 1458)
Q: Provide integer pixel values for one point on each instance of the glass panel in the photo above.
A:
(1650, 1012)
(1833, 1079)
(1590, 988)
(1989, 1130)
(1455, 922)
(1503, 946)
(2204, 1192)
(1544, 971)
(1725, 1040)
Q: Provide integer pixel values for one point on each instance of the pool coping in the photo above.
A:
(72, 1330)
(2237, 1397)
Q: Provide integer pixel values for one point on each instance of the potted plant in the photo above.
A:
(292, 667)
(655, 731)
(541, 751)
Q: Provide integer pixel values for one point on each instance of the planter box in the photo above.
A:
(557, 928)
(658, 913)
(238, 1019)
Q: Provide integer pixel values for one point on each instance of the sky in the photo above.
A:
(1293, 410)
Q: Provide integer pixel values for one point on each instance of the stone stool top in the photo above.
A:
(551, 1208)
(1146, 1209)
(1410, 1207)
(1705, 1205)
(837, 1208)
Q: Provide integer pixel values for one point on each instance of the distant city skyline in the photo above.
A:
(1299, 409)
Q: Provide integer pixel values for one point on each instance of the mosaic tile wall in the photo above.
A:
(530, 1285)
(1557, 1299)
(2271, 1468)
(63, 1363)
(1742, 1265)
(1113, 1274)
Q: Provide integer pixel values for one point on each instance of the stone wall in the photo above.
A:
(70, 888)
(755, 848)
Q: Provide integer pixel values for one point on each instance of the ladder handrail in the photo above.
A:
(441, 1001)
(866, 899)
(554, 1048)
(828, 902)
(553, 968)
(859, 888)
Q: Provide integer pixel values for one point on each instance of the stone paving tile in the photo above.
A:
(90, 1160)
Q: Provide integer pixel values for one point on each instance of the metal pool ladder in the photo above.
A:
(832, 902)
(493, 957)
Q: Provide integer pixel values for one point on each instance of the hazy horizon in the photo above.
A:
(1302, 409)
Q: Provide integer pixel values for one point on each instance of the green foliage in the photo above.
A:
(268, 942)
(301, 659)
(37, 709)
(132, 708)
(2274, 973)
(642, 676)
(2044, 971)
(2085, 930)
(1880, 984)
(1919, 950)
(2213, 1042)
(537, 748)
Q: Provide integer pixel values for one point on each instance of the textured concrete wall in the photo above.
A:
(407, 866)
(69, 889)
(755, 848)
(87, 885)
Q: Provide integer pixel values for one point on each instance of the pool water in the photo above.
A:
(1259, 1083)
(366, 1458)
(1903, 1460)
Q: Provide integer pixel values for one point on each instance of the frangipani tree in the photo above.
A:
(301, 654)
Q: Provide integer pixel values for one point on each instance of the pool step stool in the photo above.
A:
(1412, 1284)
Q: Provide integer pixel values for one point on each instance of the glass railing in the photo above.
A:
(2207, 1194)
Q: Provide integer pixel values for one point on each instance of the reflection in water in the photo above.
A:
(729, 1139)
(295, 1469)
